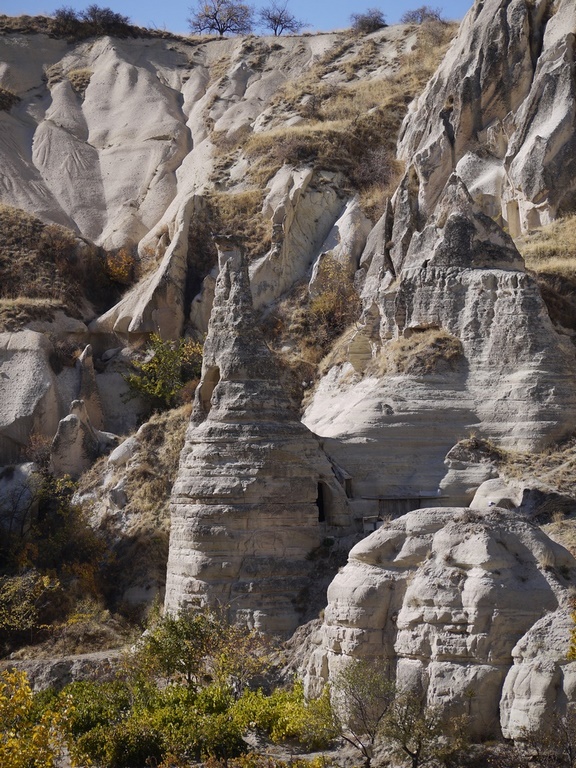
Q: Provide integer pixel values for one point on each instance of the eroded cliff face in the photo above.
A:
(253, 486)
(438, 270)
(500, 113)
(453, 600)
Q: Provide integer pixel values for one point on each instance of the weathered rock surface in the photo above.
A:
(55, 673)
(454, 599)
(253, 485)
(500, 112)
(541, 684)
(76, 444)
(511, 379)
(29, 401)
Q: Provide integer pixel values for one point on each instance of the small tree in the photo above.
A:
(162, 376)
(278, 18)
(221, 16)
(180, 645)
(421, 15)
(369, 21)
(363, 694)
(420, 732)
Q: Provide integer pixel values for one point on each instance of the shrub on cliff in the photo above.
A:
(161, 377)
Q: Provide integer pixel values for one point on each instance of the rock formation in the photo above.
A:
(500, 113)
(29, 401)
(254, 491)
(454, 600)
(489, 357)
(76, 444)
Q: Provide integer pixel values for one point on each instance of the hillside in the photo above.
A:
(373, 237)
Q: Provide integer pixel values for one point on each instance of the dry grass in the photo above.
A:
(551, 249)
(350, 127)
(32, 25)
(563, 532)
(240, 214)
(550, 254)
(44, 267)
(149, 477)
(79, 79)
(555, 466)
(89, 629)
(422, 353)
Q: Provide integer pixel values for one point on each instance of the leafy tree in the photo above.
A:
(28, 740)
(421, 15)
(221, 16)
(162, 376)
(278, 18)
(180, 645)
(363, 695)
(369, 21)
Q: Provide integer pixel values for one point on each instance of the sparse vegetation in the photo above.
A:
(421, 15)
(352, 126)
(277, 18)
(422, 353)
(45, 267)
(79, 79)
(369, 21)
(550, 254)
(240, 214)
(95, 20)
(364, 695)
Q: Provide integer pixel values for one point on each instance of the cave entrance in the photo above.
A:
(320, 503)
(209, 382)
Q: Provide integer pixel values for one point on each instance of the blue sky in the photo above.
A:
(322, 15)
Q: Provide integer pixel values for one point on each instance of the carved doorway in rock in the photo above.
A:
(209, 382)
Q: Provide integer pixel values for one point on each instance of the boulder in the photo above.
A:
(76, 444)
(451, 598)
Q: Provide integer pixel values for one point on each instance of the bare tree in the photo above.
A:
(422, 14)
(221, 16)
(363, 694)
(278, 18)
(369, 21)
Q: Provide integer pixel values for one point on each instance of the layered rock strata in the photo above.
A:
(254, 490)
(453, 600)
(456, 338)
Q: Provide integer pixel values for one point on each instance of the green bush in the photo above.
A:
(133, 743)
(286, 714)
(162, 376)
(97, 704)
